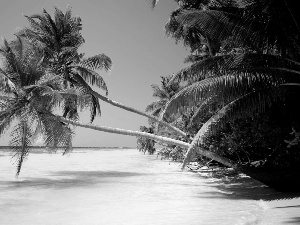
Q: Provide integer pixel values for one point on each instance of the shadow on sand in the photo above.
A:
(237, 186)
(67, 179)
(293, 220)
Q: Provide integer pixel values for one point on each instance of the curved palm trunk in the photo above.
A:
(130, 109)
(201, 134)
(171, 141)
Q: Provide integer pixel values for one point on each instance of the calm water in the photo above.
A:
(124, 187)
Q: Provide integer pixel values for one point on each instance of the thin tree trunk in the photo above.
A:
(126, 132)
(171, 141)
(130, 109)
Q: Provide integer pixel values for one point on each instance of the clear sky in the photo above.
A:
(129, 32)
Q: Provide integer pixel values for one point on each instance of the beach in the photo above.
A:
(124, 186)
(277, 207)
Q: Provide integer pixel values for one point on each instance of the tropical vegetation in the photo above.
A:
(235, 102)
(45, 83)
(242, 81)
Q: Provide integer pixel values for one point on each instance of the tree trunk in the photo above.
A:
(130, 109)
(126, 132)
(199, 138)
(167, 140)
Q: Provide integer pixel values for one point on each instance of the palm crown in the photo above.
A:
(59, 39)
(28, 98)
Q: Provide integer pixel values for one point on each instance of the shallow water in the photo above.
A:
(90, 187)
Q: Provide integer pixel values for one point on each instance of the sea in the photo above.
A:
(126, 187)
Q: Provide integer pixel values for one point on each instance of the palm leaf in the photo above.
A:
(89, 76)
(159, 92)
(20, 142)
(59, 20)
(201, 110)
(38, 26)
(214, 24)
(56, 134)
(100, 61)
(68, 16)
(225, 87)
(202, 69)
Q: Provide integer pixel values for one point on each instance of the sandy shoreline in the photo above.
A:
(274, 208)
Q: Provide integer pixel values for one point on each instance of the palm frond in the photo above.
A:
(255, 62)
(94, 108)
(96, 62)
(56, 134)
(7, 111)
(201, 110)
(156, 107)
(37, 25)
(202, 69)
(89, 76)
(225, 87)
(214, 24)
(59, 20)
(159, 92)
(7, 82)
(20, 142)
(48, 22)
(51, 80)
(35, 39)
(68, 15)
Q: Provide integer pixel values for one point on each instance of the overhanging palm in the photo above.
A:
(248, 76)
(30, 100)
(60, 38)
(35, 87)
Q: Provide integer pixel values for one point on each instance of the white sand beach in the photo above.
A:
(89, 187)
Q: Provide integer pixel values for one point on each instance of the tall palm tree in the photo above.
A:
(25, 101)
(60, 38)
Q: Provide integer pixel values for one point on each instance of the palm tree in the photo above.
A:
(163, 95)
(59, 39)
(262, 60)
(25, 100)
(30, 95)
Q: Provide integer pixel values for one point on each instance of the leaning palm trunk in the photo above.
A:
(167, 140)
(130, 109)
(202, 133)
(126, 132)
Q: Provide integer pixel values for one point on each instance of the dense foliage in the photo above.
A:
(241, 85)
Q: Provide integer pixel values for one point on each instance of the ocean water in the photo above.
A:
(115, 186)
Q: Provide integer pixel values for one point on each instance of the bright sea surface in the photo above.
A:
(115, 186)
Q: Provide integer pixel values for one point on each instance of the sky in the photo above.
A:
(133, 36)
